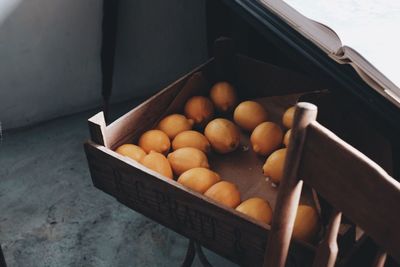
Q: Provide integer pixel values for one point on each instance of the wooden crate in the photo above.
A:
(216, 227)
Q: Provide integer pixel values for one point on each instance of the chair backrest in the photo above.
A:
(348, 180)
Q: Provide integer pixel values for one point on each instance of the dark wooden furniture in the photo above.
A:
(352, 183)
(212, 225)
(205, 222)
(108, 44)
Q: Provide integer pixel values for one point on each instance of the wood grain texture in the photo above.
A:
(128, 127)
(327, 250)
(231, 167)
(289, 190)
(353, 184)
(131, 125)
(223, 230)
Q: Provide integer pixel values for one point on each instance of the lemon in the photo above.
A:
(273, 167)
(256, 208)
(223, 135)
(174, 124)
(200, 109)
(155, 140)
(286, 138)
(225, 193)
(187, 158)
(191, 139)
(132, 151)
(266, 137)
(223, 96)
(306, 224)
(199, 179)
(158, 163)
(287, 118)
(249, 114)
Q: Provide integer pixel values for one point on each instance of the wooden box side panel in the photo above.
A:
(353, 184)
(131, 125)
(220, 229)
(254, 79)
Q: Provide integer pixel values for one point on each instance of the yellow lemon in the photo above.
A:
(191, 139)
(199, 179)
(256, 208)
(187, 158)
(266, 137)
(158, 163)
(223, 135)
(200, 109)
(225, 193)
(132, 151)
(286, 138)
(155, 140)
(249, 114)
(174, 124)
(223, 96)
(274, 164)
(287, 118)
(306, 225)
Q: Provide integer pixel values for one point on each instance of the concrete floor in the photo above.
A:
(51, 215)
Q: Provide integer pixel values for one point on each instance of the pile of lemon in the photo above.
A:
(188, 160)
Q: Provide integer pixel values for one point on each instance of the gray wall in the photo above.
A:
(49, 53)
(49, 59)
(158, 41)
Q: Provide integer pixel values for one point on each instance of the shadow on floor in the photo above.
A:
(51, 215)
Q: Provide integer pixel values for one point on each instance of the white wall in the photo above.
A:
(50, 53)
(49, 59)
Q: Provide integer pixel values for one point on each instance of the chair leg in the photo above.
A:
(190, 253)
(2, 260)
(193, 248)
(201, 255)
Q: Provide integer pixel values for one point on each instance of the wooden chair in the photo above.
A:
(348, 180)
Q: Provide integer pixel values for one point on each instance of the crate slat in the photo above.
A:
(223, 230)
